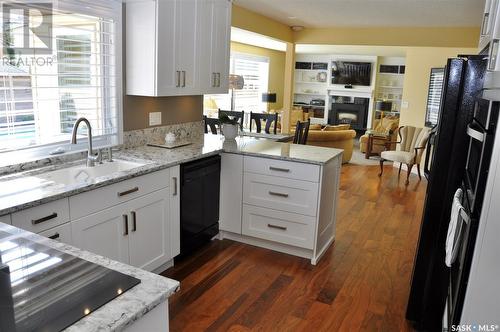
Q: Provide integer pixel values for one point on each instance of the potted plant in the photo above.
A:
(229, 126)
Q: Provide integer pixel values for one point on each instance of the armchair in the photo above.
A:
(373, 142)
(412, 144)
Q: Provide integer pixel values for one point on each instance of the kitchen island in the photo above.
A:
(51, 282)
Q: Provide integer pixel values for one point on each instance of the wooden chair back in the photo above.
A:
(269, 118)
(211, 123)
(234, 114)
(301, 132)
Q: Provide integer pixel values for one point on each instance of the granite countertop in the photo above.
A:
(22, 190)
(124, 309)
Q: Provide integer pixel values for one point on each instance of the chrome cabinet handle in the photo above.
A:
(214, 80)
(183, 78)
(218, 80)
(277, 227)
(178, 83)
(126, 192)
(53, 237)
(278, 169)
(134, 221)
(175, 186)
(125, 220)
(43, 219)
(278, 194)
(484, 26)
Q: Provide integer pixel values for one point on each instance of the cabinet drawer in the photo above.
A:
(288, 228)
(42, 217)
(60, 233)
(280, 168)
(99, 199)
(280, 193)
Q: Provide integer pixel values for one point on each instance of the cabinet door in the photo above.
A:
(167, 72)
(149, 244)
(104, 233)
(60, 233)
(231, 191)
(221, 31)
(185, 44)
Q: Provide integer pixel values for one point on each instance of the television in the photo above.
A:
(351, 73)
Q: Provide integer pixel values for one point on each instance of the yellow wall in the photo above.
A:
(276, 68)
(419, 61)
(393, 36)
(251, 21)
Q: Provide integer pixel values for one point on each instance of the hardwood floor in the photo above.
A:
(361, 284)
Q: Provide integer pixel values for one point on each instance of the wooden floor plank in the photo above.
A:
(361, 283)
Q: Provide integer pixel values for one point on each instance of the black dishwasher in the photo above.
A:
(200, 187)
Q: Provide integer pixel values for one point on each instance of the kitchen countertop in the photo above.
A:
(17, 192)
(124, 309)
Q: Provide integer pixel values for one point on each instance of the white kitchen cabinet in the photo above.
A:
(104, 233)
(231, 192)
(214, 46)
(60, 233)
(177, 47)
(135, 232)
(5, 219)
(148, 240)
(285, 205)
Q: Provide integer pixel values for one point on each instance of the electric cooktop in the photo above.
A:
(44, 289)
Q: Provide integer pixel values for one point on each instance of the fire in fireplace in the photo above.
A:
(353, 113)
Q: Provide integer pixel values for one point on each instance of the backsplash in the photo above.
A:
(141, 137)
(131, 139)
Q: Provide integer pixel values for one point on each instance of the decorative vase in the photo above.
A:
(230, 131)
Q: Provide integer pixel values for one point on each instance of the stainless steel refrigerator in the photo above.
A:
(463, 83)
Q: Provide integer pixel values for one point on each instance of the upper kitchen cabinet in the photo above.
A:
(177, 47)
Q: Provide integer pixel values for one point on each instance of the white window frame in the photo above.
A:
(109, 9)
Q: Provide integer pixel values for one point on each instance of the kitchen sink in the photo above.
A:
(83, 174)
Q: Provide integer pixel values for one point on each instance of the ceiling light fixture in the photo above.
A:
(297, 27)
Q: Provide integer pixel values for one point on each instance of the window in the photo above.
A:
(434, 97)
(42, 95)
(255, 72)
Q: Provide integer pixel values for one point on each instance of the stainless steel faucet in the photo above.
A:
(91, 157)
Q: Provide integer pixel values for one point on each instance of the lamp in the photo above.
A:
(269, 97)
(236, 82)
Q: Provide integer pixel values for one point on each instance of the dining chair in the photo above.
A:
(211, 123)
(235, 115)
(301, 132)
(412, 144)
(269, 118)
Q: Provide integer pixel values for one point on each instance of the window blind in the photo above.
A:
(42, 95)
(255, 72)
(434, 96)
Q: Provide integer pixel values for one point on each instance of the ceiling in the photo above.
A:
(369, 13)
(388, 51)
(255, 39)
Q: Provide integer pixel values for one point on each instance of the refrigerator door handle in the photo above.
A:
(427, 171)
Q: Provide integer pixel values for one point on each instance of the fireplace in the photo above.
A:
(353, 113)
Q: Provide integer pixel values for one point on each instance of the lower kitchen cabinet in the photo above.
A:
(104, 233)
(135, 232)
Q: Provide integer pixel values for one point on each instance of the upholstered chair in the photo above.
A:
(412, 144)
